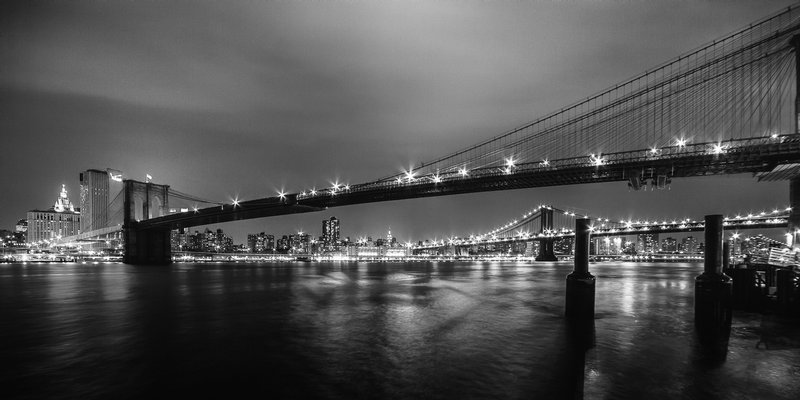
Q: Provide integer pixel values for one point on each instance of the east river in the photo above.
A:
(373, 331)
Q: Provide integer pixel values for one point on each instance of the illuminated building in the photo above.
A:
(179, 240)
(330, 233)
(22, 226)
(98, 190)
(258, 243)
(564, 246)
(299, 243)
(689, 245)
(669, 245)
(59, 221)
(647, 242)
(282, 245)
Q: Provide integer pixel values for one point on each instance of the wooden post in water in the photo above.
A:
(713, 289)
(580, 283)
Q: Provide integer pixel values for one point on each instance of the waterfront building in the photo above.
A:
(22, 226)
(759, 245)
(647, 243)
(669, 245)
(689, 245)
(564, 246)
(179, 240)
(532, 249)
(330, 233)
(60, 220)
(282, 246)
(628, 247)
(259, 242)
(299, 243)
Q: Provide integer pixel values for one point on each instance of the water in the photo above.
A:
(362, 330)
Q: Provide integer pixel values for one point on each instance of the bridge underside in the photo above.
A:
(754, 158)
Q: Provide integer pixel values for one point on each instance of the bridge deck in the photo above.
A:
(754, 155)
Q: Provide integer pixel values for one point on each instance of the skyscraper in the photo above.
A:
(330, 233)
(98, 190)
(647, 243)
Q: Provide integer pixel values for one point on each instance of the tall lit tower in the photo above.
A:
(98, 189)
(330, 232)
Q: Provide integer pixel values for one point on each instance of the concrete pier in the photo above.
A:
(580, 283)
(713, 289)
(146, 246)
(547, 250)
(546, 246)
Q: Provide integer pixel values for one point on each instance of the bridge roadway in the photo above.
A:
(753, 155)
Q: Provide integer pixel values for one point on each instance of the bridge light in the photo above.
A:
(195, 209)
(347, 188)
(510, 162)
(681, 142)
(654, 151)
(399, 180)
(775, 211)
(788, 209)
(282, 195)
(596, 160)
(735, 235)
(336, 186)
(463, 171)
(436, 178)
(235, 202)
(410, 175)
(718, 148)
(313, 192)
(545, 163)
(774, 135)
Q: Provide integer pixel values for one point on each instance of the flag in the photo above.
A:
(149, 178)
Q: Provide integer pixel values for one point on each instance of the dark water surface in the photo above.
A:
(362, 330)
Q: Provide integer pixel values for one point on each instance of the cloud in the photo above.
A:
(255, 96)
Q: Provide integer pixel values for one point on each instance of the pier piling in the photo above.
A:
(713, 289)
(580, 283)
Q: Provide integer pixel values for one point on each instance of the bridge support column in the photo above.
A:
(794, 214)
(796, 44)
(146, 246)
(546, 250)
(580, 283)
(713, 289)
(726, 256)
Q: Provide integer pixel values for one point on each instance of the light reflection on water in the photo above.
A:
(367, 330)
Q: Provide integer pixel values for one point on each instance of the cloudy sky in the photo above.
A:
(239, 99)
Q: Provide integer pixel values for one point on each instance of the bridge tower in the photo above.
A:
(794, 183)
(546, 251)
(143, 245)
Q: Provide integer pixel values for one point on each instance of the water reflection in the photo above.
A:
(373, 330)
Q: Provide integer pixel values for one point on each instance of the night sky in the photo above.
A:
(240, 99)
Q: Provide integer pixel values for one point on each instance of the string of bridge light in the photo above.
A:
(772, 217)
(512, 165)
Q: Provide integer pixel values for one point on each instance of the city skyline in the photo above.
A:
(135, 111)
